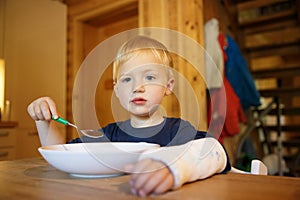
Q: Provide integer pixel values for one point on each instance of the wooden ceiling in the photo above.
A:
(72, 2)
(107, 18)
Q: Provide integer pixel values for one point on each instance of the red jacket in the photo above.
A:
(224, 121)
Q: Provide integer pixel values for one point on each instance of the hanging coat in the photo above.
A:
(214, 63)
(231, 115)
(230, 111)
(239, 76)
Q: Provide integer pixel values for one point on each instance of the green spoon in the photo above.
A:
(89, 133)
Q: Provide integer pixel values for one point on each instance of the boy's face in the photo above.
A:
(142, 83)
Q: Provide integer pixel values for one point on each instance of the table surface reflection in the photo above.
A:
(36, 179)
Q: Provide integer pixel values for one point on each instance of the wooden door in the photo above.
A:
(94, 21)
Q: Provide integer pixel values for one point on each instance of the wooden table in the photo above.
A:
(35, 179)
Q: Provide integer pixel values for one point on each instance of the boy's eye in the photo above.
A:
(126, 79)
(150, 77)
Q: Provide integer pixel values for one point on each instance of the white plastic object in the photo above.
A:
(257, 168)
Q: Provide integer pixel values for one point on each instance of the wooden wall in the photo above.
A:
(217, 9)
(92, 21)
(34, 48)
(187, 18)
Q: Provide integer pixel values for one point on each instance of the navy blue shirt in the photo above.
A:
(171, 132)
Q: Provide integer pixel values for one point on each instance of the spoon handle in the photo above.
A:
(60, 120)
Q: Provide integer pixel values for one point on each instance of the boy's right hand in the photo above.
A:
(42, 109)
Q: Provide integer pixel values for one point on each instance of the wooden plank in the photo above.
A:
(257, 3)
(87, 6)
(71, 2)
(275, 24)
(280, 92)
(8, 124)
(272, 38)
(275, 62)
(266, 18)
(266, 83)
(277, 73)
(282, 50)
(288, 143)
(285, 128)
(286, 111)
(106, 18)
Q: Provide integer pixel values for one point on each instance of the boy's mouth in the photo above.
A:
(139, 101)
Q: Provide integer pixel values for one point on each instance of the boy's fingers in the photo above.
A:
(151, 174)
(45, 111)
(138, 183)
(31, 112)
(52, 107)
(38, 112)
(141, 168)
(42, 109)
(138, 177)
(166, 185)
(150, 181)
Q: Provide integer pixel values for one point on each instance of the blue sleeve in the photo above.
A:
(76, 140)
(200, 134)
(228, 164)
(106, 131)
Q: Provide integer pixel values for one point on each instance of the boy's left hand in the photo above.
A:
(149, 176)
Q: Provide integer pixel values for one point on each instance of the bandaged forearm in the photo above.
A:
(192, 161)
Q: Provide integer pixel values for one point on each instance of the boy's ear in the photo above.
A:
(170, 87)
(116, 91)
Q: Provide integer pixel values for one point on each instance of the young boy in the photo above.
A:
(142, 77)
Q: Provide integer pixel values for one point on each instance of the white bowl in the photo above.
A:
(94, 159)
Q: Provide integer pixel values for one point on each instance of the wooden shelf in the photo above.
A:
(286, 111)
(289, 143)
(8, 124)
(280, 92)
(254, 4)
(285, 128)
(281, 72)
(282, 50)
(273, 38)
(267, 18)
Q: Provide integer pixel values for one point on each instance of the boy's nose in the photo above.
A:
(139, 88)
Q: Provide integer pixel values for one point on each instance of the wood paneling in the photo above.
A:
(215, 9)
(93, 21)
(273, 38)
(257, 3)
(187, 18)
(89, 24)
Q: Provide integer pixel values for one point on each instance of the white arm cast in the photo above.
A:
(197, 159)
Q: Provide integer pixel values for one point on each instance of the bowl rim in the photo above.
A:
(54, 147)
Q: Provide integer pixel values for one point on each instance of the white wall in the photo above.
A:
(35, 54)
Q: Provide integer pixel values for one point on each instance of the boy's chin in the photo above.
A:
(140, 115)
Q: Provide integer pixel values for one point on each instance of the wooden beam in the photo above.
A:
(273, 38)
(276, 24)
(267, 18)
(280, 50)
(257, 3)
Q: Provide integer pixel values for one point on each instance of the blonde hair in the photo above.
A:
(141, 43)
